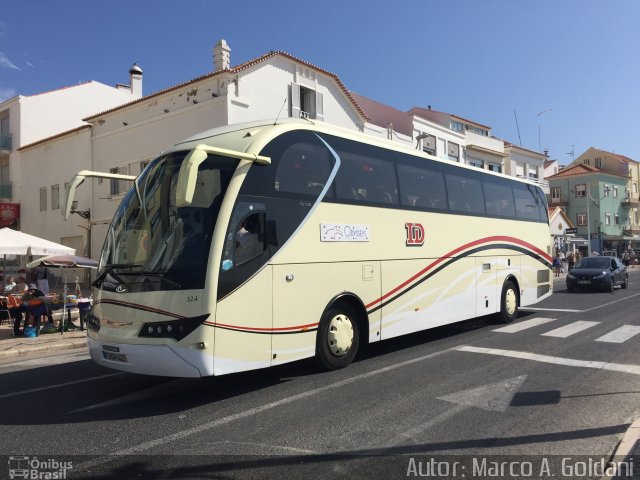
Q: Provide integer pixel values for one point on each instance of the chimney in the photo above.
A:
(221, 56)
(135, 79)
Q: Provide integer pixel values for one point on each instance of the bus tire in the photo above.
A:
(508, 303)
(338, 337)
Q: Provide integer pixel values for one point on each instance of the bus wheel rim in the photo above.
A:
(340, 335)
(510, 301)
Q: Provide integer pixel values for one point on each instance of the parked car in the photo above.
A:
(598, 272)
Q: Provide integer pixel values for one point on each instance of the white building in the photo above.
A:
(525, 163)
(28, 119)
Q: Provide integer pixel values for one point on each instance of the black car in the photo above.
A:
(598, 272)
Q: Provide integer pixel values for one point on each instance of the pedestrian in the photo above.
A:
(42, 279)
(571, 261)
(625, 258)
(633, 261)
(16, 309)
(557, 265)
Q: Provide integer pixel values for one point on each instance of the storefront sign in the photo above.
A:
(9, 214)
(570, 231)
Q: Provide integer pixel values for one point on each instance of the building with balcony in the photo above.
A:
(593, 200)
(25, 119)
(524, 163)
(618, 164)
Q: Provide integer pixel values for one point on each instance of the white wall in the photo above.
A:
(54, 163)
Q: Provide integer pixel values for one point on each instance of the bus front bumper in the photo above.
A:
(162, 360)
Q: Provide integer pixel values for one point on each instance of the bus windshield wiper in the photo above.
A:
(109, 268)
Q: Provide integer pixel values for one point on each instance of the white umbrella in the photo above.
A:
(13, 242)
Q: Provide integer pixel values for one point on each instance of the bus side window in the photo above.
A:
(465, 194)
(528, 204)
(250, 238)
(422, 187)
(246, 237)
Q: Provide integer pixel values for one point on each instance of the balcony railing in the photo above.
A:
(631, 201)
(6, 190)
(558, 202)
(5, 142)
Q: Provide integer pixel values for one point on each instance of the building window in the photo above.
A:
(555, 194)
(635, 187)
(457, 126)
(581, 191)
(476, 163)
(143, 165)
(495, 167)
(117, 187)
(453, 151)
(598, 162)
(55, 197)
(533, 173)
(607, 219)
(607, 189)
(480, 131)
(429, 144)
(615, 192)
(43, 199)
(305, 102)
(581, 219)
(616, 219)
(586, 161)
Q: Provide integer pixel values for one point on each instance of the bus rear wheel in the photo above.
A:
(338, 337)
(508, 303)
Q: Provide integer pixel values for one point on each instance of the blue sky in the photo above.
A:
(570, 69)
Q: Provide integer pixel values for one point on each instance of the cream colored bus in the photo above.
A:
(262, 244)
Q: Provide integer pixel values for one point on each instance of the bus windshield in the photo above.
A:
(151, 243)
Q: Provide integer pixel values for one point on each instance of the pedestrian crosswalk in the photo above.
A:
(618, 335)
(568, 330)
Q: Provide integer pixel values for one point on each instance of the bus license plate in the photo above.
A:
(584, 282)
(114, 357)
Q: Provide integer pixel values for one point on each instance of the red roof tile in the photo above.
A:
(576, 170)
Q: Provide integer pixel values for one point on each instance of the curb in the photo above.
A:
(630, 443)
(30, 350)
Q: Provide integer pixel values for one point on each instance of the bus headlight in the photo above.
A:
(176, 329)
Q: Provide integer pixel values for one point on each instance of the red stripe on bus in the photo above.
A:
(457, 250)
(249, 329)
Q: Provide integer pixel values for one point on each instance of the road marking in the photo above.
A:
(611, 303)
(569, 310)
(568, 330)
(142, 447)
(620, 335)
(614, 367)
(59, 385)
(518, 327)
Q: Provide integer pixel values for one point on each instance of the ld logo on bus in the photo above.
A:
(415, 234)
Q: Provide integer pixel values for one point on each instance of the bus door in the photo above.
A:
(486, 275)
(244, 310)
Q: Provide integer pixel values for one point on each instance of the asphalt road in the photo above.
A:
(563, 381)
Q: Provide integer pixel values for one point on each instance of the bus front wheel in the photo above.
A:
(338, 337)
(508, 303)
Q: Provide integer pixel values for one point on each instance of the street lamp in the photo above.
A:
(86, 214)
(538, 115)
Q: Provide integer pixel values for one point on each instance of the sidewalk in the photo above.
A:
(11, 346)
